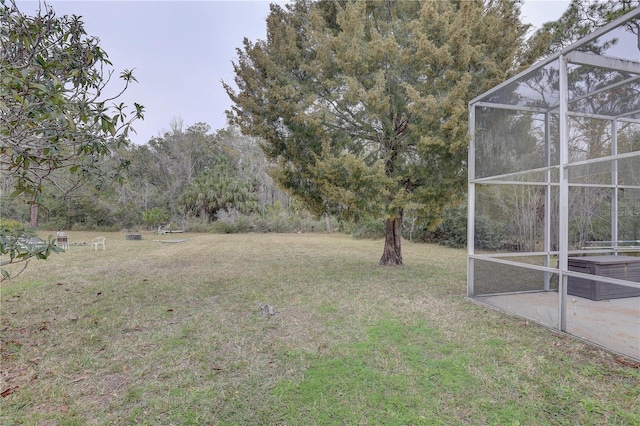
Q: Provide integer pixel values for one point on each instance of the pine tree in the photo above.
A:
(363, 104)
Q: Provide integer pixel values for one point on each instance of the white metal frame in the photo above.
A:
(570, 55)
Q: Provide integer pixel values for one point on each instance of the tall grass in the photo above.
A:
(172, 333)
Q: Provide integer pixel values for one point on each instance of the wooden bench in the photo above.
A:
(162, 231)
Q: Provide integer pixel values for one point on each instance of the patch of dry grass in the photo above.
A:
(172, 333)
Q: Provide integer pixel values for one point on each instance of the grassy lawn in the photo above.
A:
(153, 333)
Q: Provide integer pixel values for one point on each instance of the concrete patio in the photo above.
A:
(613, 324)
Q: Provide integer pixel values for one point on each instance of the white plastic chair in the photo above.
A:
(97, 241)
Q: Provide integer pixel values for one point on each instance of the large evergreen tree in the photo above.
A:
(363, 104)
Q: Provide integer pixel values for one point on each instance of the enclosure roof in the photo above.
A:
(603, 74)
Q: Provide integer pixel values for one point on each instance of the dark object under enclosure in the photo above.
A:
(620, 267)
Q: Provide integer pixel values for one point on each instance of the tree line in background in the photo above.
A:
(351, 112)
(198, 180)
(189, 178)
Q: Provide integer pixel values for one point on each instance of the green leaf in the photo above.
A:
(39, 86)
(71, 122)
(105, 123)
(17, 192)
(40, 60)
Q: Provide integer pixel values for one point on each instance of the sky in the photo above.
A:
(181, 51)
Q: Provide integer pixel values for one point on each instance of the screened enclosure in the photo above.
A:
(554, 191)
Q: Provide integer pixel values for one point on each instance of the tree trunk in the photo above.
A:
(33, 222)
(327, 222)
(392, 254)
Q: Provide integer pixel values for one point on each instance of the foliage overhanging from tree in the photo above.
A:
(53, 111)
(363, 104)
(579, 20)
